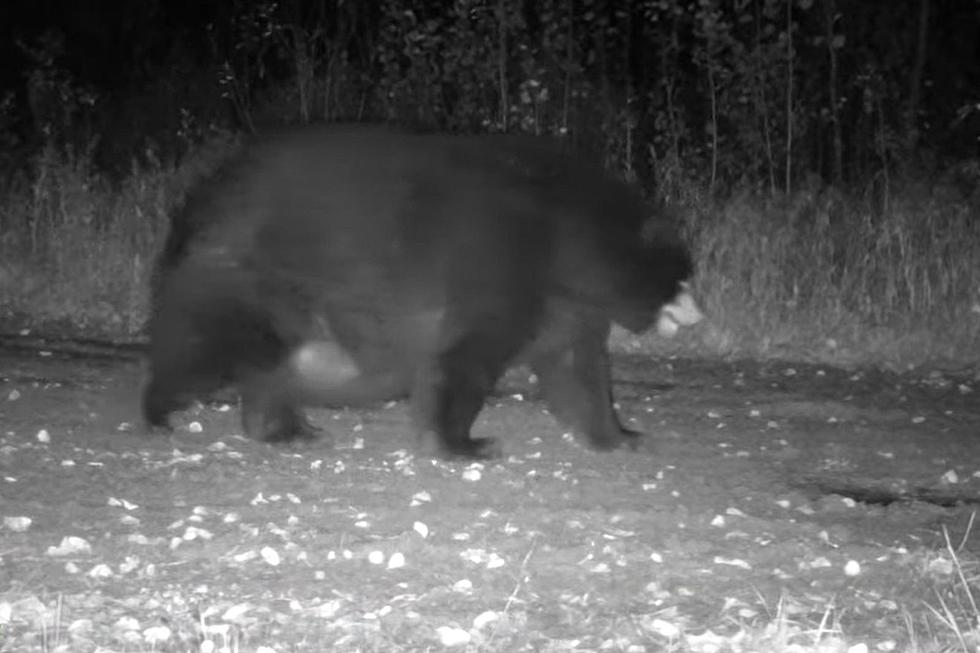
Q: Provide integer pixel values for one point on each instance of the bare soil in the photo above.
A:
(767, 497)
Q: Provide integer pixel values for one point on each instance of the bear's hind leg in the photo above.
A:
(176, 378)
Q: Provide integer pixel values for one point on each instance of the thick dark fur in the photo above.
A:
(422, 265)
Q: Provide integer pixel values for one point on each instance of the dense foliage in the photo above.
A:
(758, 91)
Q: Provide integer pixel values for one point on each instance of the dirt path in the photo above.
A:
(770, 505)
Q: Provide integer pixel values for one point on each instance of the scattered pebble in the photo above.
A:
(396, 561)
(70, 545)
(451, 636)
(156, 635)
(270, 555)
(17, 524)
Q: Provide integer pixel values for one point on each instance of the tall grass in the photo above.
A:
(821, 276)
(76, 251)
(817, 275)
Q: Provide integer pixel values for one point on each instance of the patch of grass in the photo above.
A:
(821, 277)
(952, 612)
(76, 250)
(185, 618)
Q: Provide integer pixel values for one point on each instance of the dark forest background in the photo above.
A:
(823, 154)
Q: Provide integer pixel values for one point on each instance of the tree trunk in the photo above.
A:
(915, 79)
(837, 142)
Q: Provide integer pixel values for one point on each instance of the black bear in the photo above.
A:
(338, 266)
